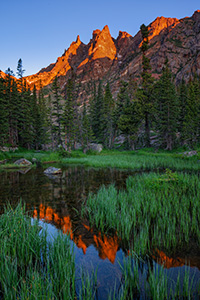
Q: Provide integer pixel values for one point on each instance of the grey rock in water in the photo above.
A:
(52, 171)
(23, 162)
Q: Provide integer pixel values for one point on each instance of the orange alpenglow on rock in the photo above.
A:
(48, 214)
(114, 60)
(102, 45)
(107, 246)
(169, 262)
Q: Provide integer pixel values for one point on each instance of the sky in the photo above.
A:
(38, 31)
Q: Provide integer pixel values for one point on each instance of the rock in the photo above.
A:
(113, 60)
(52, 171)
(96, 147)
(23, 162)
(7, 149)
(24, 170)
(78, 146)
(2, 162)
(190, 153)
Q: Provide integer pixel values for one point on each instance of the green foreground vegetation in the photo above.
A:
(157, 210)
(33, 268)
(144, 159)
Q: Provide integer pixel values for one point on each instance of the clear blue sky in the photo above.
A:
(38, 31)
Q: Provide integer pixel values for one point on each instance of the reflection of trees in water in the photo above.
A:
(67, 189)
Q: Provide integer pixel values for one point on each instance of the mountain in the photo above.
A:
(119, 59)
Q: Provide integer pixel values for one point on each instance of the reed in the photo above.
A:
(31, 267)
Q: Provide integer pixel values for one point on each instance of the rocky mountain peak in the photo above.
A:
(196, 15)
(119, 59)
(161, 24)
(102, 44)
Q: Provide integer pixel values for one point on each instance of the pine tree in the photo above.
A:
(57, 111)
(130, 121)
(122, 101)
(192, 115)
(167, 109)
(147, 81)
(68, 119)
(13, 108)
(107, 122)
(86, 129)
(4, 125)
(98, 115)
(182, 101)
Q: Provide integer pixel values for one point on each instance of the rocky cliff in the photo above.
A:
(119, 59)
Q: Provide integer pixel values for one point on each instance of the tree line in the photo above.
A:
(150, 112)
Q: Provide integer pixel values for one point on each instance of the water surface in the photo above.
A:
(57, 200)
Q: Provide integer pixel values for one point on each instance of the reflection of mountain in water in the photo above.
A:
(107, 246)
(82, 236)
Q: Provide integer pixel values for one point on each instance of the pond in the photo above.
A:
(57, 200)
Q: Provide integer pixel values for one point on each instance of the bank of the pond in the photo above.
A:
(136, 160)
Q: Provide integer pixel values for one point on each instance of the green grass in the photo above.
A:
(151, 281)
(30, 267)
(165, 207)
(145, 159)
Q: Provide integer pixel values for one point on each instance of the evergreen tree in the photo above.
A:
(122, 101)
(107, 122)
(68, 120)
(130, 121)
(13, 107)
(98, 115)
(57, 111)
(182, 101)
(50, 122)
(147, 81)
(167, 109)
(192, 115)
(86, 129)
(4, 125)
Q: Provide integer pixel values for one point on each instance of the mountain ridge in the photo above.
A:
(113, 60)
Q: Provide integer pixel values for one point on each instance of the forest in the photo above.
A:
(147, 112)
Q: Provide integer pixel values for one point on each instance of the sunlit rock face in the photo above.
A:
(119, 59)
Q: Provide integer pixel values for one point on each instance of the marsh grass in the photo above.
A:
(31, 267)
(145, 159)
(151, 281)
(154, 211)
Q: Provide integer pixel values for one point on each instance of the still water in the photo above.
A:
(57, 200)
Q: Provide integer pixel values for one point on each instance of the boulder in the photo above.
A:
(190, 153)
(7, 149)
(96, 147)
(52, 171)
(23, 162)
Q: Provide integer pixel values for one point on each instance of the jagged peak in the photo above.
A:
(196, 14)
(161, 23)
(78, 41)
(95, 33)
(123, 34)
(98, 32)
(106, 29)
